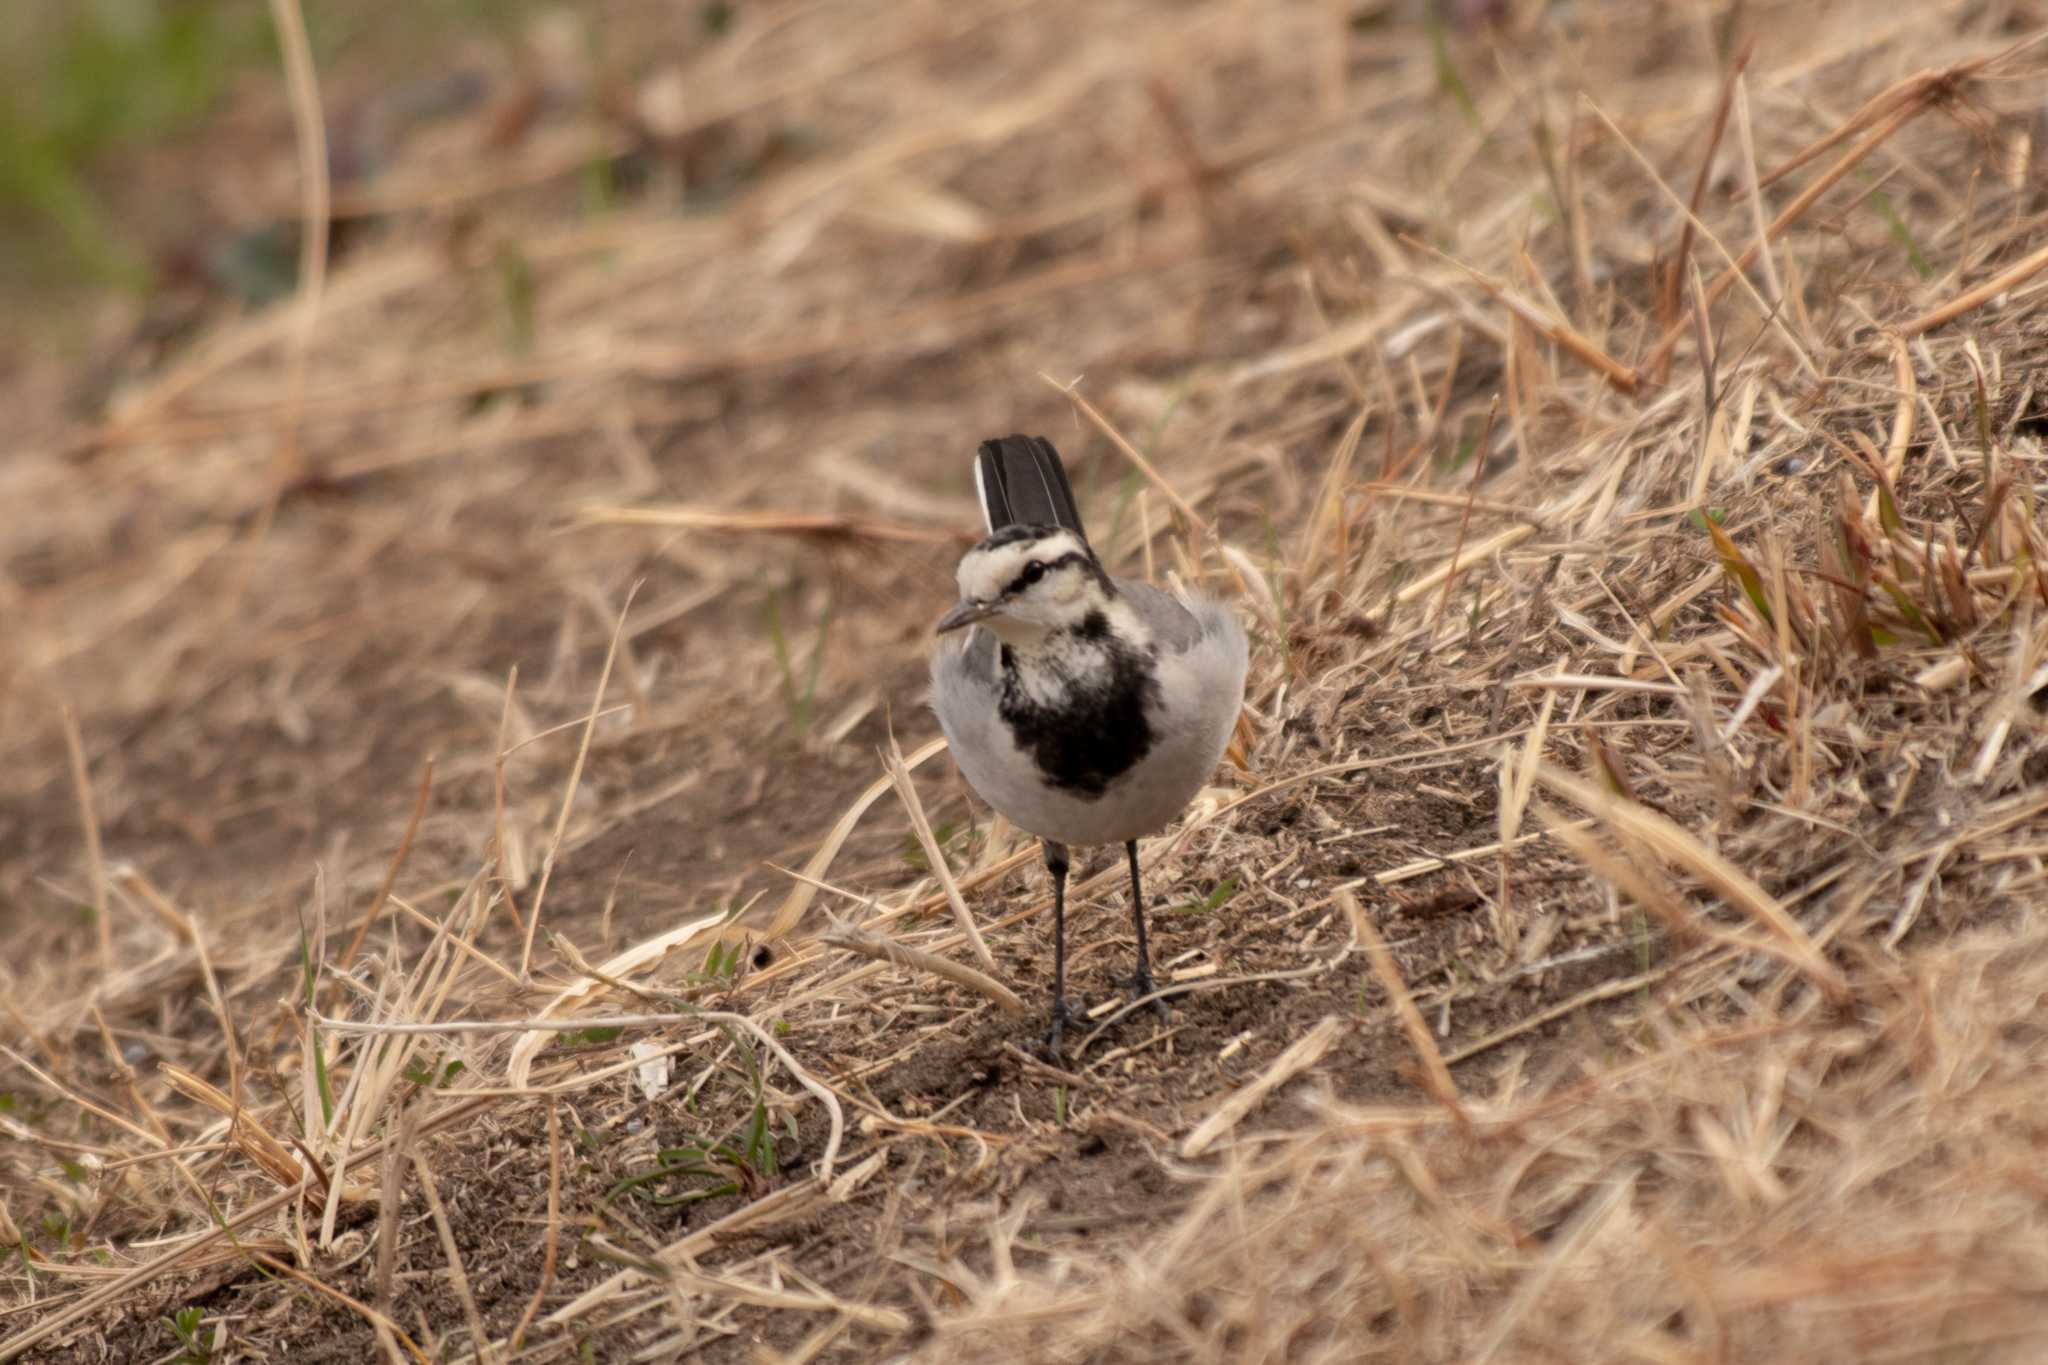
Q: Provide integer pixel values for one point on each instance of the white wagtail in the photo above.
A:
(1088, 709)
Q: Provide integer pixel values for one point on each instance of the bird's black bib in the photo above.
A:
(1099, 729)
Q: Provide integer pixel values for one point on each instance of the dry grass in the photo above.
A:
(1799, 1187)
(1621, 939)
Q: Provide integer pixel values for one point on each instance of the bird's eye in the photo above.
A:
(1034, 571)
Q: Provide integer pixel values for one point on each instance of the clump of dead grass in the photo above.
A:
(1786, 1184)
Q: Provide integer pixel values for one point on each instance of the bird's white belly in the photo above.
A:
(1139, 801)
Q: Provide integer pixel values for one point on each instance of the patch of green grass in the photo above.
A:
(722, 963)
(1215, 900)
(309, 977)
(799, 693)
(516, 293)
(1738, 567)
(435, 1074)
(1454, 460)
(600, 186)
(1880, 201)
(708, 1168)
(946, 835)
(83, 80)
(192, 1348)
(726, 1167)
(1448, 78)
(589, 1037)
(79, 81)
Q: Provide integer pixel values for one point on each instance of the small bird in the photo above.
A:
(1086, 708)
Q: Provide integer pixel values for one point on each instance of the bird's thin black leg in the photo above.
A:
(1056, 864)
(1141, 984)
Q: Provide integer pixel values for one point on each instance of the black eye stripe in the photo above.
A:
(1024, 580)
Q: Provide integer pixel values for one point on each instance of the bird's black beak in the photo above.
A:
(966, 614)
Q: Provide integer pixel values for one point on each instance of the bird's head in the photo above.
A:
(1027, 582)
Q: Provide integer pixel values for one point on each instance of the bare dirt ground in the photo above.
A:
(1621, 939)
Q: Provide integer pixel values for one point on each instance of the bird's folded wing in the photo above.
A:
(1168, 618)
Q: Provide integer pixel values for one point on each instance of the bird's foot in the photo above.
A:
(1141, 985)
(1062, 1015)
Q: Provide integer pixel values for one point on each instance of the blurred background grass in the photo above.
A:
(105, 111)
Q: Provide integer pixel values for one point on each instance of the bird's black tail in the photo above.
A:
(1023, 483)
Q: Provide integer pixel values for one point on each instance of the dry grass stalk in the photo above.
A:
(1436, 1076)
(547, 863)
(83, 1102)
(1470, 555)
(245, 1133)
(872, 945)
(1678, 268)
(1621, 988)
(315, 190)
(519, 1065)
(390, 1336)
(1733, 272)
(1578, 1236)
(1658, 836)
(457, 1277)
(1480, 454)
(1971, 299)
(89, 821)
(1130, 452)
(1561, 333)
(377, 902)
(1796, 210)
(788, 914)
(552, 1246)
(1303, 1053)
(390, 1189)
(935, 857)
(788, 1203)
(766, 1296)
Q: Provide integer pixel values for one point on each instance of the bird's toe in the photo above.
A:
(1141, 986)
(1062, 1015)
